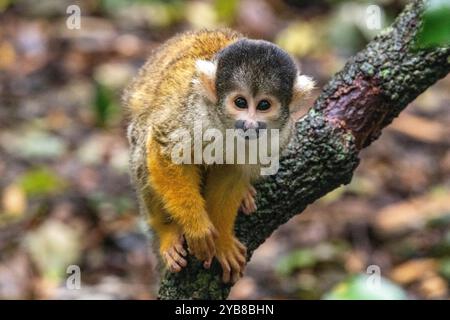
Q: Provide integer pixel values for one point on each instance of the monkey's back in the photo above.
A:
(164, 81)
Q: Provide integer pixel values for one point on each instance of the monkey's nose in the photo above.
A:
(250, 125)
(247, 125)
(251, 128)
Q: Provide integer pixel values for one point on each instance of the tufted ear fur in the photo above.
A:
(207, 79)
(303, 85)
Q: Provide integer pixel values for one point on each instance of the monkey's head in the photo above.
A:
(254, 84)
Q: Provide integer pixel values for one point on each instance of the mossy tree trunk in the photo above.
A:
(353, 108)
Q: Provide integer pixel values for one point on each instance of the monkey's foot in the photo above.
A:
(248, 205)
(231, 255)
(172, 252)
(202, 245)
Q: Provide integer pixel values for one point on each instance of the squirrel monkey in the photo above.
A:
(226, 81)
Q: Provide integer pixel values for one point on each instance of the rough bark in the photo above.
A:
(353, 108)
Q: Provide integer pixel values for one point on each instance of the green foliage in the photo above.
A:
(40, 182)
(121, 205)
(310, 257)
(442, 248)
(302, 258)
(444, 269)
(105, 104)
(360, 287)
(157, 13)
(4, 4)
(117, 4)
(226, 9)
(435, 30)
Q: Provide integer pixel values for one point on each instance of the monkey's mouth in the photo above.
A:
(250, 134)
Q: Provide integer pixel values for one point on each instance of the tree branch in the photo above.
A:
(353, 108)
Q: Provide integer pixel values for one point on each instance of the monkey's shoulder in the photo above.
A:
(164, 81)
(174, 63)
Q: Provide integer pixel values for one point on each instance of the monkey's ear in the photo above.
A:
(207, 79)
(303, 85)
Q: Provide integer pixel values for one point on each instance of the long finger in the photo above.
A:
(207, 263)
(211, 247)
(247, 202)
(244, 208)
(202, 250)
(235, 270)
(252, 191)
(241, 260)
(225, 270)
(177, 258)
(253, 205)
(171, 264)
(194, 247)
(180, 249)
(241, 247)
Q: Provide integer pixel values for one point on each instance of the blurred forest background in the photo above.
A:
(65, 194)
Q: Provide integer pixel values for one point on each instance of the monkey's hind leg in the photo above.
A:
(170, 238)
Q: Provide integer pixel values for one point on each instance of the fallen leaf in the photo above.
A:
(433, 287)
(420, 128)
(7, 55)
(14, 200)
(413, 214)
(413, 270)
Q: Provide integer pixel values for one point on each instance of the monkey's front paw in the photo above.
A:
(248, 205)
(231, 255)
(201, 245)
(173, 253)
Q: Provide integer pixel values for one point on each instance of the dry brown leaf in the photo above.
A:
(433, 287)
(413, 270)
(355, 262)
(14, 201)
(420, 128)
(412, 214)
(7, 55)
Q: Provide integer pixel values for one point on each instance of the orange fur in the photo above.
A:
(224, 189)
(179, 188)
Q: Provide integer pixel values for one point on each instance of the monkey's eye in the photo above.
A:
(240, 103)
(263, 105)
